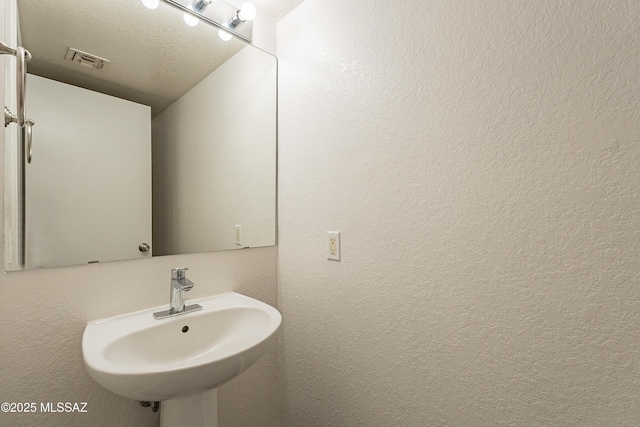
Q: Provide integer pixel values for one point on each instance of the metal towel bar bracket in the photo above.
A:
(22, 57)
(9, 117)
(27, 131)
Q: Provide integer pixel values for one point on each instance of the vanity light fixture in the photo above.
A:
(246, 13)
(198, 6)
(224, 35)
(151, 4)
(231, 21)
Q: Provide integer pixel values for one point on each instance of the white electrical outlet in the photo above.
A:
(334, 245)
(238, 235)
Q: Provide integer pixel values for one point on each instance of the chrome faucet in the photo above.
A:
(179, 285)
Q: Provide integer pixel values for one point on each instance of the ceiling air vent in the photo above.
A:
(86, 59)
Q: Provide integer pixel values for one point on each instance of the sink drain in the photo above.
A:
(185, 329)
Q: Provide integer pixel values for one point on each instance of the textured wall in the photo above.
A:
(214, 158)
(43, 314)
(482, 161)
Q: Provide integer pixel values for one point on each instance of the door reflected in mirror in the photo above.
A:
(168, 147)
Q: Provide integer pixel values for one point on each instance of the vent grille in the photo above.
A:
(86, 59)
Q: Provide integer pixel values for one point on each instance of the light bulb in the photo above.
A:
(151, 4)
(247, 12)
(224, 35)
(189, 19)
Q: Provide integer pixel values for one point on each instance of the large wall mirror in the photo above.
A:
(151, 137)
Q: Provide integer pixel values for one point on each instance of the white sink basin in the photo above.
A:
(139, 357)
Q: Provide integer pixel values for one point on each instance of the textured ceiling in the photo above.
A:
(275, 9)
(155, 58)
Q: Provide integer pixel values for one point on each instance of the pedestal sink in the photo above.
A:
(180, 360)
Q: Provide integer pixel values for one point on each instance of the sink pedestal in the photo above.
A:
(196, 411)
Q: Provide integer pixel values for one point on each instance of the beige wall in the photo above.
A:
(482, 161)
(43, 314)
(214, 157)
(77, 211)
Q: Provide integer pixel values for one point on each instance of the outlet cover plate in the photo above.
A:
(333, 245)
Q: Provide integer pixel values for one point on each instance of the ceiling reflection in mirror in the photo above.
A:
(152, 138)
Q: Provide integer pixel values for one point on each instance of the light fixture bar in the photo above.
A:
(218, 14)
(200, 5)
(246, 13)
(235, 21)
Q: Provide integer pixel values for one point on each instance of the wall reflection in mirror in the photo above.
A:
(151, 137)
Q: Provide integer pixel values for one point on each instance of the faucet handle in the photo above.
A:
(187, 285)
(178, 273)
